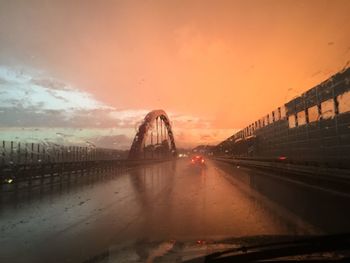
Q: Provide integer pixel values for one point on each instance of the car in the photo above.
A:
(197, 159)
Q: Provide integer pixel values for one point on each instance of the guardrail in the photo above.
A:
(12, 152)
(279, 164)
(21, 176)
(27, 164)
(331, 178)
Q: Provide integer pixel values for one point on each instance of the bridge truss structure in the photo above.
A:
(154, 138)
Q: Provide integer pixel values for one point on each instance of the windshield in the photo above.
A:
(133, 131)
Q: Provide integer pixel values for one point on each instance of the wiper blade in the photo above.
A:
(304, 246)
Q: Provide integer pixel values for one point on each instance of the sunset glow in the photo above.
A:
(92, 71)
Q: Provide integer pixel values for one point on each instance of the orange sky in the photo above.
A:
(225, 62)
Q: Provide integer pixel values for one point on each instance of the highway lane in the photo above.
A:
(160, 202)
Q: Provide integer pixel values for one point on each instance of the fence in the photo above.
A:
(27, 165)
(19, 153)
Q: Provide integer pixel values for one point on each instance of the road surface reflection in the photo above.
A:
(160, 202)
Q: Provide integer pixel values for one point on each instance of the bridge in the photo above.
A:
(156, 124)
(26, 165)
(285, 173)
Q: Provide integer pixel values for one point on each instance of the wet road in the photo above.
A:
(160, 202)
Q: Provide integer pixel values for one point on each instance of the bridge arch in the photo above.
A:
(147, 125)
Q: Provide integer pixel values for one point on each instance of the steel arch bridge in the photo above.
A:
(155, 121)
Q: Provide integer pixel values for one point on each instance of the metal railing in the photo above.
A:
(26, 164)
(19, 153)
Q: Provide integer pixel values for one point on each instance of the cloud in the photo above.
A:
(189, 121)
(46, 102)
(120, 141)
(30, 89)
(49, 83)
(206, 137)
(18, 116)
(3, 81)
(38, 108)
(103, 138)
(29, 99)
(189, 138)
